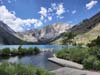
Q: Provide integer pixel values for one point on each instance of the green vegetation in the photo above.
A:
(5, 51)
(73, 54)
(20, 51)
(91, 62)
(95, 42)
(68, 38)
(19, 69)
(89, 57)
(36, 50)
(88, 36)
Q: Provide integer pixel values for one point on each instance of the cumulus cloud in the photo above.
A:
(60, 9)
(91, 4)
(43, 12)
(54, 6)
(14, 22)
(55, 10)
(74, 11)
(50, 10)
(49, 18)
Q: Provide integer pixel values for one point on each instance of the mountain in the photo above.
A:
(86, 25)
(45, 34)
(8, 36)
(35, 36)
(87, 30)
(53, 31)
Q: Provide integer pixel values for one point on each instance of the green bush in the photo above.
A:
(30, 50)
(95, 51)
(36, 50)
(91, 63)
(78, 54)
(20, 51)
(14, 52)
(64, 54)
(89, 57)
(5, 51)
(73, 54)
(23, 51)
(19, 69)
(95, 42)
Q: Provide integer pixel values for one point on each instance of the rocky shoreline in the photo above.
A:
(70, 68)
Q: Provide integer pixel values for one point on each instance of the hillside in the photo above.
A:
(88, 36)
(85, 31)
(7, 35)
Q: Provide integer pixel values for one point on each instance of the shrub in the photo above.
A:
(73, 54)
(95, 42)
(5, 51)
(22, 51)
(36, 50)
(30, 50)
(91, 63)
(19, 69)
(95, 51)
(14, 52)
(64, 54)
(78, 54)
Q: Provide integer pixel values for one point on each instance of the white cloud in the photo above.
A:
(74, 11)
(91, 4)
(42, 17)
(14, 22)
(60, 9)
(49, 18)
(54, 6)
(13, 12)
(50, 9)
(55, 10)
(43, 12)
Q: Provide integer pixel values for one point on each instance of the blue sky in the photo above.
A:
(27, 14)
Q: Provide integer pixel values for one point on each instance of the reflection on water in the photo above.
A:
(40, 60)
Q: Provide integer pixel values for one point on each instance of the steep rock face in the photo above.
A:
(52, 31)
(28, 35)
(7, 35)
(45, 34)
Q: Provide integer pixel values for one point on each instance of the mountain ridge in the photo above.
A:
(42, 36)
(85, 31)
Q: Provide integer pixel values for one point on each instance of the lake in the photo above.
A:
(39, 60)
